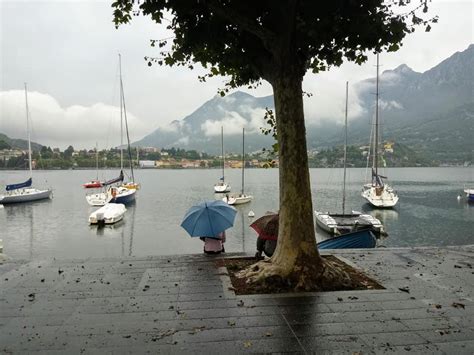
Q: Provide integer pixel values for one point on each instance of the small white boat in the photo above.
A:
(469, 194)
(380, 194)
(109, 214)
(237, 199)
(350, 222)
(222, 186)
(242, 197)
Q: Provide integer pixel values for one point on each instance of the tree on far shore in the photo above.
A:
(279, 41)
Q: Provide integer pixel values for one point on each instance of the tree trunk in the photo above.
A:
(296, 263)
(296, 238)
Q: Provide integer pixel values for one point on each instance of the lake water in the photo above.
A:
(428, 213)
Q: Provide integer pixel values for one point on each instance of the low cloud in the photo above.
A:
(76, 125)
(251, 119)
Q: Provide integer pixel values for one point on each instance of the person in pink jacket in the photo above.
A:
(214, 245)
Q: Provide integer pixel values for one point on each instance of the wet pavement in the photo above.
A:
(183, 304)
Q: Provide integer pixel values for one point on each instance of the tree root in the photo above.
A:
(272, 277)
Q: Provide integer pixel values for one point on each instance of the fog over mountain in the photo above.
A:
(425, 110)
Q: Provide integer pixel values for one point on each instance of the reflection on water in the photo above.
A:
(429, 212)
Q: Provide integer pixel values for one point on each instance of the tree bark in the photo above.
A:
(296, 238)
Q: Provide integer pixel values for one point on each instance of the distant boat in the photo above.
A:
(94, 184)
(354, 240)
(378, 193)
(23, 192)
(469, 194)
(242, 197)
(109, 214)
(345, 222)
(222, 186)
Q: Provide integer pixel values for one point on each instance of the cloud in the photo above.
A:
(233, 122)
(76, 125)
(390, 105)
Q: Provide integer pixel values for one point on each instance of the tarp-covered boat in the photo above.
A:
(354, 240)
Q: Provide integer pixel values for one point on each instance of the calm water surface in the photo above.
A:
(428, 213)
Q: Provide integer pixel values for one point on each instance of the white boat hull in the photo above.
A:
(237, 199)
(109, 214)
(99, 199)
(384, 197)
(221, 188)
(25, 195)
(334, 223)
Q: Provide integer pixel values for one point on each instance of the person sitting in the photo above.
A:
(266, 246)
(214, 245)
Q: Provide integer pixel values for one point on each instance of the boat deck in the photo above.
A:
(183, 304)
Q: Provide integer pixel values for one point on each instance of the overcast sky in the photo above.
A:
(67, 53)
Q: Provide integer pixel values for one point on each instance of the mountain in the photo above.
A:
(14, 143)
(201, 130)
(431, 112)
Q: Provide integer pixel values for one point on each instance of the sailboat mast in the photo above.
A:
(243, 158)
(223, 157)
(97, 160)
(345, 151)
(28, 131)
(129, 149)
(376, 143)
(121, 113)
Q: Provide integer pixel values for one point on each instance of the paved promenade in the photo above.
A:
(183, 304)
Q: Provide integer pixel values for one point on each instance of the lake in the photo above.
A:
(428, 213)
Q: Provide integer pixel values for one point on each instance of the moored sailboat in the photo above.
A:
(242, 197)
(116, 190)
(346, 222)
(222, 186)
(24, 192)
(378, 193)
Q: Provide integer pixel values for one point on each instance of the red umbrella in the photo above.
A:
(267, 226)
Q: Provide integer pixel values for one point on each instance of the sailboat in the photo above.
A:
(342, 223)
(239, 198)
(222, 186)
(94, 183)
(23, 192)
(125, 192)
(378, 193)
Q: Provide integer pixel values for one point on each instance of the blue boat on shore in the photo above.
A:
(355, 240)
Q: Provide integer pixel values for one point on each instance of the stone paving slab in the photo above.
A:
(182, 304)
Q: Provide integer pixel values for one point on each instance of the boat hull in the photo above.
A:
(337, 223)
(111, 213)
(354, 240)
(221, 188)
(469, 194)
(238, 199)
(385, 198)
(25, 195)
(125, 196)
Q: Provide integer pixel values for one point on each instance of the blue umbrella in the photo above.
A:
(208, 219)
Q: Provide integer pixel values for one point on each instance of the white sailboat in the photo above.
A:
(242, 197)
(124, 192)
(346, 222)
(222, 186)
(24, 192)
(378, 193)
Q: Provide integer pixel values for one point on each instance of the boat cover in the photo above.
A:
(113, 181)
(355, 240)
(27, 183)
(377, 179)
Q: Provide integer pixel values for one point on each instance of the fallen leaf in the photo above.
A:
(404, 289)
(231, 323)
(458, 305)
(247, 344)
